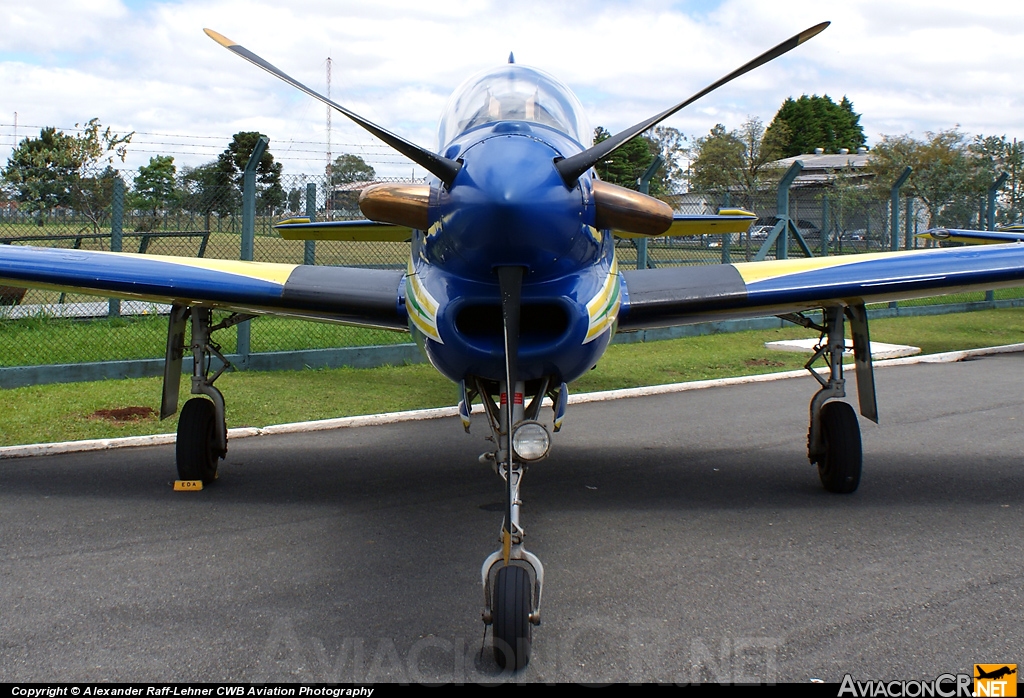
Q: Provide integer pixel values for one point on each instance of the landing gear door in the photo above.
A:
(862, 360)
(172, 360)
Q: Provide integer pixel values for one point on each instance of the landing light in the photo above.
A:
(531, 441)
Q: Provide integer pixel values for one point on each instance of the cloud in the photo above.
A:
(908, 67)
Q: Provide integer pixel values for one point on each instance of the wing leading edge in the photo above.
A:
(684, 295)
(364, 297)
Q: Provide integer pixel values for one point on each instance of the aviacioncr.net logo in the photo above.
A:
(945, 686)
(995, 680)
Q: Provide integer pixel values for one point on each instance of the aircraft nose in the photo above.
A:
(508, 206)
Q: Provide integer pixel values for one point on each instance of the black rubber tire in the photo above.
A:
(196, 452)
(510, 607)
(840, 466)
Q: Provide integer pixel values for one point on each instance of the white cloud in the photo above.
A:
(907, 66)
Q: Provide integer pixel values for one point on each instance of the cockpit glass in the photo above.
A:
(514, 93)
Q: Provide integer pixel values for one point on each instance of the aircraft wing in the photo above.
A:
(682, 295)
(974, 237)
(359, 230)
(726, 221)
(365, 297)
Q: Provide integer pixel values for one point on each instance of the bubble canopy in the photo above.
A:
(514, 93)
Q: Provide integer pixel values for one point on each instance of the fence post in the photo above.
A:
(309, 252)
(727, 237)
(993, 190)
(909, 241)
(116, 234)
(782, 208)
(894, 209)
(894, 215)
(249, 233)
(644, 185)
(825, 227)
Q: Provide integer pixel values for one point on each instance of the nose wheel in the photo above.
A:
(511, 608)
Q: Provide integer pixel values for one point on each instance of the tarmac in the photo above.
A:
(685, 538)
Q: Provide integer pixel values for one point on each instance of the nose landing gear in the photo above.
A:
(512, 577)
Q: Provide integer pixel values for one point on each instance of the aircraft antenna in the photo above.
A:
(330, 186)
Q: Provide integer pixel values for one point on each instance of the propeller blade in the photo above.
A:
(510, 283)
(572, 167)
(444, 168)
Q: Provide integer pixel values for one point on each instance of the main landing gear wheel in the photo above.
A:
(197, 454)
(840, 465)
(511, 606)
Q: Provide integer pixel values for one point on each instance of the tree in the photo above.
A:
(761, 148)
(232, 162)
(948, 179)
(40, 170)
(670, 144)
(737, 161)
(154, 185)
(207, 190)
(93, 196)
(807, 123)
(294, 199)
(349, 168)
(626, 165)
(59, 169)
(1001, 155)
(716, 161)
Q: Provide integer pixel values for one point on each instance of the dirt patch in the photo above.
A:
(124, 414)
(763, 362)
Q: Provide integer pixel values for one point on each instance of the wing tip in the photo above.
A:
(219, 38)
(293, 221)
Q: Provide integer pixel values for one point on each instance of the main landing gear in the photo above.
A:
(833, 439)
(202, 439)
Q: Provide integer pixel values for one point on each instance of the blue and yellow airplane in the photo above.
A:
(512, 290)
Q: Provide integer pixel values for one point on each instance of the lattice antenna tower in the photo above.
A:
(330, 188)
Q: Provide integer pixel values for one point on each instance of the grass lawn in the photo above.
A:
(62, 412)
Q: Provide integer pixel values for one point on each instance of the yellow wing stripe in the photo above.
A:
(752, 272)
(265, 271)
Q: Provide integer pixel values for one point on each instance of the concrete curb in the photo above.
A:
(439, 412)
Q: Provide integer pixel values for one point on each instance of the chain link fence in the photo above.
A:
(200, 218)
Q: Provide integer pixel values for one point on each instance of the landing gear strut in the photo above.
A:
(202, 439)
(833, 439)
(511, 597)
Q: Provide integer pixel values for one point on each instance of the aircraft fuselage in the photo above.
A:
(508, 206)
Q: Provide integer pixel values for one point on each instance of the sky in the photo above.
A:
(908, 66)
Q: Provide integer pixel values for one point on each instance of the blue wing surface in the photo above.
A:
(684, 295)
(363, 297)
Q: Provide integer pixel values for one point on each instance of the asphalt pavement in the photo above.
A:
(685, 538)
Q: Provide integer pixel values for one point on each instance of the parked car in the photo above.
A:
(763, 226)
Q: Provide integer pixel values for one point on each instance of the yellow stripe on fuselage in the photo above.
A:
(421, 306)
(603, 308)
